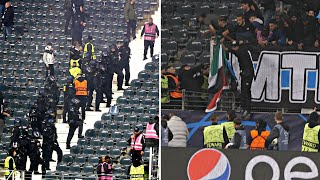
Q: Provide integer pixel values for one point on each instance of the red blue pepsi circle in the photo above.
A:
(209, 164)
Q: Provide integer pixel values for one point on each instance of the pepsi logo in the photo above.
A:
(209, 164)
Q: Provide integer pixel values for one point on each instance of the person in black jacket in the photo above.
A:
(7, 19)
(78, 26)
(2, 4)
(68, 13)
(191, 79)
(269, 10)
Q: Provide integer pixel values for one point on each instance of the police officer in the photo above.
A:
(311, 134)
(78, 26)
(125, 52)
(42, 109)
(81, 86)
(137, 144)
(35, 155)
(89, 73)
(74, 121)
(69, 92)
(97, 84)
(229, 125)
(151, 32)
(279, 136)
(50, 143)
(106, 71)
(238, 141)
(33, 118)
(152, 132)
(88, 50)
(114, 56)
(52, 91)
(9, 164)
(20, 140)
(215, 136)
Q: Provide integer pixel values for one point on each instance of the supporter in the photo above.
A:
(256, 22)
(244, 31)
(310, 29)
(224, 26)
(173, 83)
(179, 131)
(257, 138)
(215, 135)
(250, 8)
(78, 6)
(2, 6)
(317, 42)
(277, 37)
(166, 134)
(238, 141)
(262, 36)
(209, 20)
(229, 125)
(4, 114)
(191, 78)
(311, 134)
(130, 16)
(68, 13)
(279, 136)
(48, 59)
(78, 26)
(7, 19)
(294, 31)
(165, 96)
(269, 10)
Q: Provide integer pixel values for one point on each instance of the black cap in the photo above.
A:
(232, 114)
(136, 129)
(313, 116)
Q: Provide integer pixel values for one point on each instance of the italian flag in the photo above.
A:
(217, 79)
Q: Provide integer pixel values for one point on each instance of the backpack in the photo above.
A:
(114, 110)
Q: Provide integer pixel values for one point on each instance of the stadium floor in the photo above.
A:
(136, 65)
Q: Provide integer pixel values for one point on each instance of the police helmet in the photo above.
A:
(36, 134)
(15, 144)
(105, 53)
(51, 79)
(75, 101)
(126, 42)
(88, 69)
(113, 47)
(51, 113)
(17, 122)
(69, 79)
(102, 68)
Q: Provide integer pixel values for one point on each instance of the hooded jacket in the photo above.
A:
(179, 130)
(48, 55)
(130, 12)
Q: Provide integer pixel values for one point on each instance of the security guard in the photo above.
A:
(137, 144)
(74, 121)
(68, 92)
(173, 83)
(311, 134)
(81, 86)
(114, 56)
(279, 136)
(137, 170)
(229, 125)
(152, 132)
(257, 138)
(75, 55)
(215, 136)
(9, 164)
(239, 139)
(75, 70)
(125, 52)
(88, 50)
(106, 73)
(151, 32)
(165, 96)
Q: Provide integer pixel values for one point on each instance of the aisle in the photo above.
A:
(136, 65)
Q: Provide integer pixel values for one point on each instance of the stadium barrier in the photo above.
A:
(196, 163)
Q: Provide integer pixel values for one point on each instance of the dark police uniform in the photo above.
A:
(74, 121)
(106, 69)
(90, 78)
(35, 156)
(77, 28)
(50, 143)
(114, 56)
(125, 52)
(69, 92)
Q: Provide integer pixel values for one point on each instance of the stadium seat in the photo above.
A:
(195, 47)
(108, 143)
(93, 160)
(95, 143)
(103, 134)
(62, 167)
(170, 47)
(151, 66)
(115, 153)
(88, 169)
(88, 151)
(145, 119)
(125, 126)
(125, 161)
(122, 100)
(90, 133)
(164, 59)
(147, 102)
(106, 117)
(132, 119)
(135, 83)
(134, 101)
(101, 151)
(83, 142)
(128, 92)
(174, 22)
(116, 135)
(188, 59)
(67, 159)
(75, 168)
(98, 125)
(138, 110)
(165, 34)
(122, 144)
(124, 109)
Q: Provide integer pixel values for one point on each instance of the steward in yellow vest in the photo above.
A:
(75, 70)
(310, 140)
(215, 136)
(165, 96)
(229, 125)
(9, 164)
(88, 50)
(136, 170)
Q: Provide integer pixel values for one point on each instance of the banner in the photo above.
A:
(287, 79)
(195, 164)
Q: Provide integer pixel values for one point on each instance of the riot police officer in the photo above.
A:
(106, 72)
(114, 57)
(52, 91)
(69, 93)
(95, 76)
(125, 52)
(20, 140)
(35, 154)
(33, 118)
(50, 142)
(74, 121)
(88, 71)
